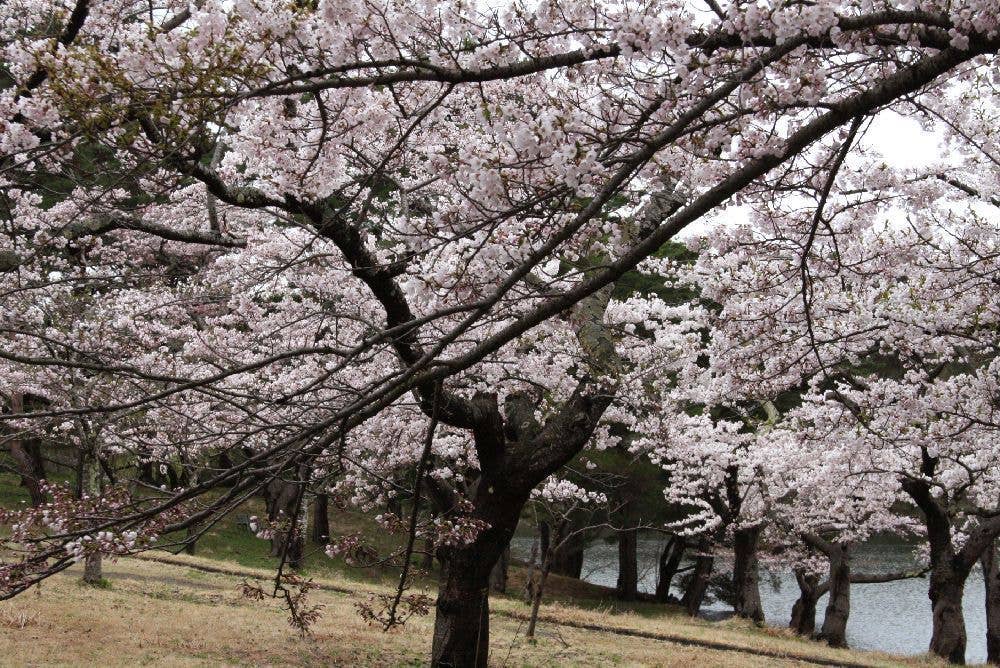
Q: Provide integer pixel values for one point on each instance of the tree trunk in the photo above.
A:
(670, 561)
(92, 571)
(803, 619)
(948, 638)
(28, 458)
(428, 560)
(694, 596)
(462, 621)
(567, 559)
(628, 564)
(991, 578)
(746, 574)
(536, 601)
(190, 540)
(320, 534)
(498, 576)
(838, 606)
(280, 499)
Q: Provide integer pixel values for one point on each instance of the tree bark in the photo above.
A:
(461, 623)
(320, 534)
(949, 568)
(991, 578)
(948, 639)
(746, 574)
(694, 596)
(803, 619)
(628, 564)
(838, 606)
(670, 561)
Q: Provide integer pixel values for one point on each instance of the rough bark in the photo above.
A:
(694, 595)
(670, 561)
(628, 564)
(92, 571)
(320, 532)
(838, 606)
(991, 577)
(461, 625)
(803, 619)
(949, 567)
(746, 574)
(948, 639)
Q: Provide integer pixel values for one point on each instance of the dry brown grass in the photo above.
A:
(174, 615)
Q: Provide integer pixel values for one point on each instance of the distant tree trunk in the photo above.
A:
(280, 498)
(838, 606)
(395, 506)
(190, 540)
(670, 561)
(321, 520)
(803, 619)
(567, 559)
(28, 458)
(92, 570)
(694, 596)
(991, 578)
(498, 576)
(628, 566)
(428, 561)
(746, 574)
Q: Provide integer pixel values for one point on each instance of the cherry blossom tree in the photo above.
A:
(344, 238)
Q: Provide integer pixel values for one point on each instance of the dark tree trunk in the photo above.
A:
(949, 567)
(281, 499)
(694, 596)
(628, 564)
(746, 574)
(498, 576)
(395, 506)
(461, 623)
(567, 559)
(320, 532)
(948, 638)
(428, 560)
(28, 458)
(991, 577)
(838, 606)
(670, 561)
(190, 540)
(803, 619)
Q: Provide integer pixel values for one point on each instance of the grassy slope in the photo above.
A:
(173, 614)
(167, 614)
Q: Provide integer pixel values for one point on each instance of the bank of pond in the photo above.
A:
(890, 616)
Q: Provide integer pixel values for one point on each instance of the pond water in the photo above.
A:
(891, 617)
